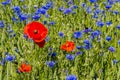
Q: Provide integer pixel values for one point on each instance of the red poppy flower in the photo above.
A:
(24, 68)
(36, 31)
(68, 46)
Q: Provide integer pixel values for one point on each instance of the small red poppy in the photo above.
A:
(68, 46)
(36, 30)
(24, 68)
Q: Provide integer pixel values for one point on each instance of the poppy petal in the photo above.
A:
(20, 70)
(41, 44)
(27, 68)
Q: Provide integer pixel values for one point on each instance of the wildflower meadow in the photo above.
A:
(59, 39)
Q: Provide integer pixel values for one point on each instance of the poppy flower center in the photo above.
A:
(67, 45)
(35, 31)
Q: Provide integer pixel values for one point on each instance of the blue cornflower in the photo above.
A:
(118, 27)
(10, 31)
(42, 11)
(95, 15)
(35, 6)
(95, 34)
(10, 58)
(79, 47)
(77, 34)
(71, 77)
(50, 48)
(108, 23)
(6, 2)
(115, 12)
(100, 23)
(69, 2)
(17, 9)
(14, 34)
(49, 5)
(36, 17)
(25, 36)
(61, 8)
(74, 7)
(111, 2)
(87, 44)
(83, 4)
(108, 38)
(53, 54)
(108, 6)
(87, 30)
(97, 11)
(78, 53)
(67, 11)
(44, 7)
(1, 24)
(61, 34)
(14, 19)
(70, 56)
(52, 23)
(93, 1)
(111, 49)
(86, 41)
(88, 9)
(118, 0)
(37, 12)
(115, 61)
(24, 6)
(50, 64)
(23, 17)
